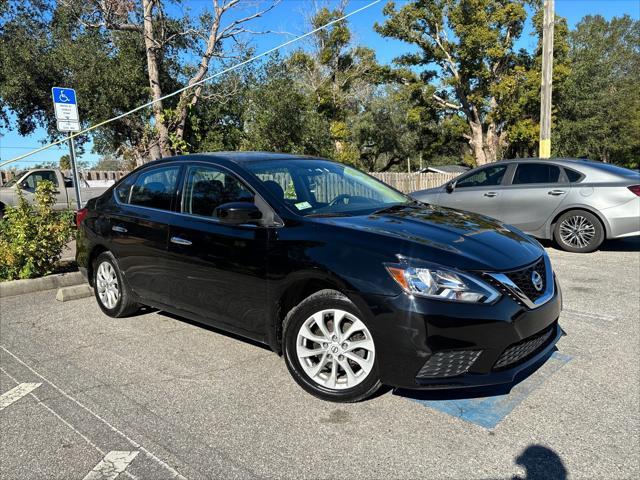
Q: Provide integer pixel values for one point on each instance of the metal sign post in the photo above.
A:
(66, 108)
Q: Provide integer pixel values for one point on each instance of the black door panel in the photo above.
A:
(219, 272)
(139, 242)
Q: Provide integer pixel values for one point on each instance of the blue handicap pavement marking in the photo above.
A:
(489, 411)
(64, 95)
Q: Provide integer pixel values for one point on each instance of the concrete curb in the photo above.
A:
(74, 292)
(20, 287)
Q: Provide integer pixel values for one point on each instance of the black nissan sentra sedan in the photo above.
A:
(353, 282)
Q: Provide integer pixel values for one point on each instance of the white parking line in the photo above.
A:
(16, 393)
(113, 464)
(172, 471)
(55, 414)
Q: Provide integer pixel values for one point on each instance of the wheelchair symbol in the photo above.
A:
(63, 97)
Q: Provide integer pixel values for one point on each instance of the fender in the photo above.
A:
(278, 289)
(548, 229)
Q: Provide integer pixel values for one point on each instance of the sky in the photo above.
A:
(289, 18)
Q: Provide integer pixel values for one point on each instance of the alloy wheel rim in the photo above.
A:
(335, 349)
(577, 231)
(107, 285)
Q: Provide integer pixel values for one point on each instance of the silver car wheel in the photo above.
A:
(335, 349)
(577, 231)
(107, 285)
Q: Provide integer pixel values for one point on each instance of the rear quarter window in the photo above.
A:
(573, 176)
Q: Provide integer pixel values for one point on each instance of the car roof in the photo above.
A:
(561, 160)
(240, 157)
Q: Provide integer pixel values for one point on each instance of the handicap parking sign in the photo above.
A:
(66, 109)
(64, 95)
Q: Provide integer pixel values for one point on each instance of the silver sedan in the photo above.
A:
(577, 203)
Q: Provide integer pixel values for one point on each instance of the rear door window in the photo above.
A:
(123, 189)
(528, 173)
(486, 177)
(155, 188)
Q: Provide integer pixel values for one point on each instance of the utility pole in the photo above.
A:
(544, 150)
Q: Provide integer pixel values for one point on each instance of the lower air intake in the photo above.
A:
(449, 364)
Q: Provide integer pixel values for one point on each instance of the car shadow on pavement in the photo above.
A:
(204, 326)
(540, 463)
(631, 244)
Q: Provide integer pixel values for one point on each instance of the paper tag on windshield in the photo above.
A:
(303, 205)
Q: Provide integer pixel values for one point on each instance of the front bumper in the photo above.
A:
(436, 344)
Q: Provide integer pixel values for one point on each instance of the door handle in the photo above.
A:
(119, 229)
(180, 241)
(491, 194)
(557, 192)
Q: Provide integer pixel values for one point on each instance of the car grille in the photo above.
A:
(522, 278)
(448, 364)
(523, 350)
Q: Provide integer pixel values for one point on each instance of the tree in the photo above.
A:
(599, 116)
(42, 45)
(337, 75)
(166, 42)
(281, 117)
(108, 162)
(470, 64)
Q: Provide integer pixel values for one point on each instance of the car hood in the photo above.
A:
(463, 240)
(428, 191)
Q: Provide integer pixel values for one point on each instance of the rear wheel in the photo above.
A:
(329, 348)
(112, 293)
(578, 231)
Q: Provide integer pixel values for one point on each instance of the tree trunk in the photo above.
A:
(162, 148)
(491, 144)
(477, 143)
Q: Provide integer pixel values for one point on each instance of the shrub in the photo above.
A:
(32, 236)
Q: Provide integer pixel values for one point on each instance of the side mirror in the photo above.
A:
(24, 185)
(450, 187)
(238, 213)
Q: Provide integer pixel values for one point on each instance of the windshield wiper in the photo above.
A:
(398, 206)
(329, 214)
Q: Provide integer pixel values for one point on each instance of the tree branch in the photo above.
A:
(444, 103)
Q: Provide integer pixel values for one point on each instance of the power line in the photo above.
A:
(20, 148)
(180, 90)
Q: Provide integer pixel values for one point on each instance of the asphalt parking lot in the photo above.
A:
(156, 396)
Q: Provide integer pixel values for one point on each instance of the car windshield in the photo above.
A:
(322, 188)
(15, 178)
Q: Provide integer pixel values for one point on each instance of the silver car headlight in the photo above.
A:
(438, 282)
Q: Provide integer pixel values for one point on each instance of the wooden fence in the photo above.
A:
(405, 182)
(410, 182)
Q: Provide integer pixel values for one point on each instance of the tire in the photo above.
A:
(578, 231)
(112, 293)
(324, 374)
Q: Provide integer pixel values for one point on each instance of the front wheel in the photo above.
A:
(113, 295)
(329, 349)
(578, 231)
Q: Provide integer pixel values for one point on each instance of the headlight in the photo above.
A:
(435, 281)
